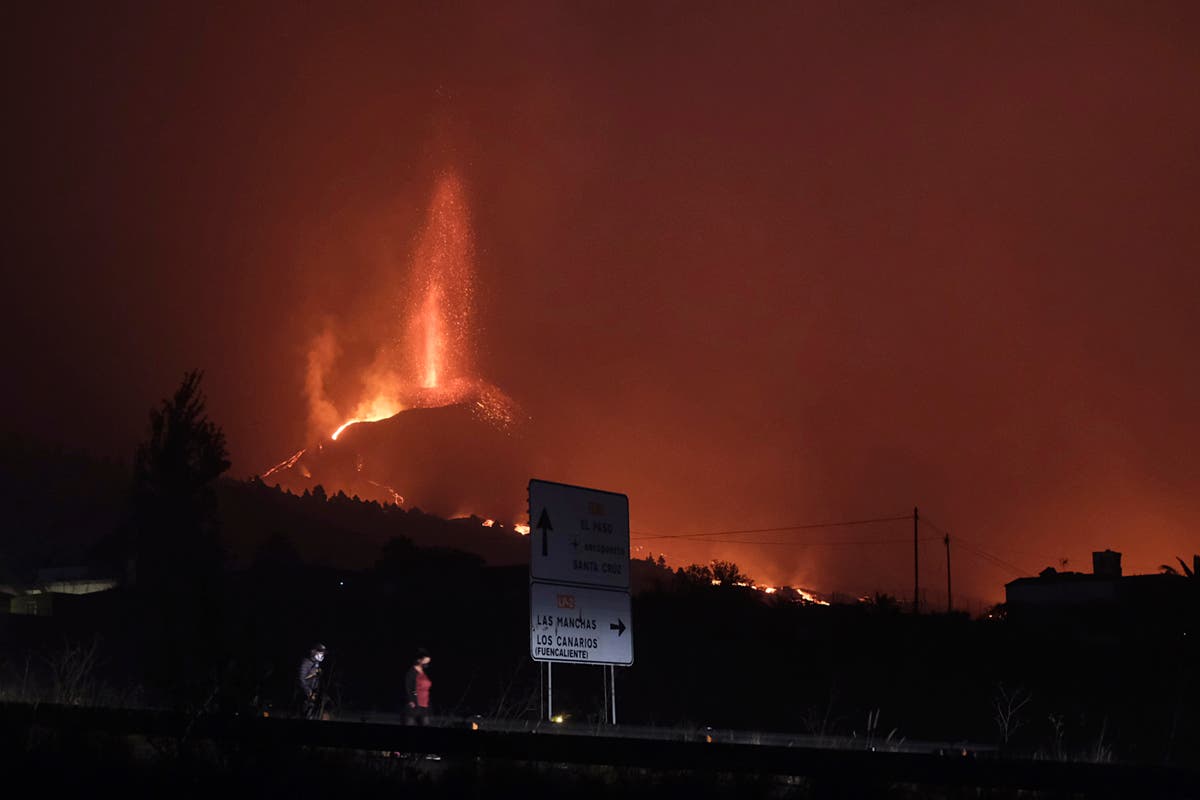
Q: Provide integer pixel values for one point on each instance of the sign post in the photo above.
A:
(579, 605)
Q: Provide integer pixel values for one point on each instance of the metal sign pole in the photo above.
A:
(550, 690)
(613, 691)
(604, 685)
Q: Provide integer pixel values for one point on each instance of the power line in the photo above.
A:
(643, 537)
(1016, 568)
(978, 550)
(930, 523)
(832, 542)
(994, 561)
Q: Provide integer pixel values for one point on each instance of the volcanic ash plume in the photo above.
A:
(323, 416)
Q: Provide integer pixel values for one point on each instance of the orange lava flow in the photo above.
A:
(380, 407)
(288, 463)
(343, 427)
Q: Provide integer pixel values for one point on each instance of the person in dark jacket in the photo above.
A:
(416, 688)
(309, 679)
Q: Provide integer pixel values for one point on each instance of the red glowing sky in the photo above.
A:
(816, 262)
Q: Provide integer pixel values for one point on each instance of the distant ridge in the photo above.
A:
(345, 532)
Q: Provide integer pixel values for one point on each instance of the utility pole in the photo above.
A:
(949, 601)
(916, 572)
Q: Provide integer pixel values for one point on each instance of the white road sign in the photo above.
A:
(578, 535)
(579, 625)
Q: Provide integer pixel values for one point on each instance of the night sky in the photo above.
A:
(813, 262)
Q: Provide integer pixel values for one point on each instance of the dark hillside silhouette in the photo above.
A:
(345, 531)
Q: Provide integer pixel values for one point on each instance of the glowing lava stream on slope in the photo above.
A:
(381, 408)
(371, 417)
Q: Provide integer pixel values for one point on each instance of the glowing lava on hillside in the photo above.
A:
(425, 431)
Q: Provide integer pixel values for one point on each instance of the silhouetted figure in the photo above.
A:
(416, 686)
(309, 678)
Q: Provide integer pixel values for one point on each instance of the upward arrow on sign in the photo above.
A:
(544, 525)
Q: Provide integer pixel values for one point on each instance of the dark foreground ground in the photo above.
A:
(60, 752)
(315, 772)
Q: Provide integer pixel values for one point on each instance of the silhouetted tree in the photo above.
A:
(1008, 704)
(728, 573)
(696, 574)
(175, 506)
(883, 603)
(1190, 572)
(724, 573)
(177, 550)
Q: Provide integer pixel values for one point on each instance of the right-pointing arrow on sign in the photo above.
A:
(618, 626)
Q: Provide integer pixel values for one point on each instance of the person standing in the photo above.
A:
(417, 686)
(309, 678)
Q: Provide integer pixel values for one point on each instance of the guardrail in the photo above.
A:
(467, 739)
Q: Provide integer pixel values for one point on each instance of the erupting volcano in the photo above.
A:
(425, 431)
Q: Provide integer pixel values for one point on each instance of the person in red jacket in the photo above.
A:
(417, 686)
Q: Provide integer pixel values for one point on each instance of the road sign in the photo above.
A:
(578, 535)
(579, 624)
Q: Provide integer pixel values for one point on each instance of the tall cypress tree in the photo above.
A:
(178, 557)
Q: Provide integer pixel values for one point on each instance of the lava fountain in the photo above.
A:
(430, 352)
(425, 363)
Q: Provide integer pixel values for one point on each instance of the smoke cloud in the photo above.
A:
(323, 415)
